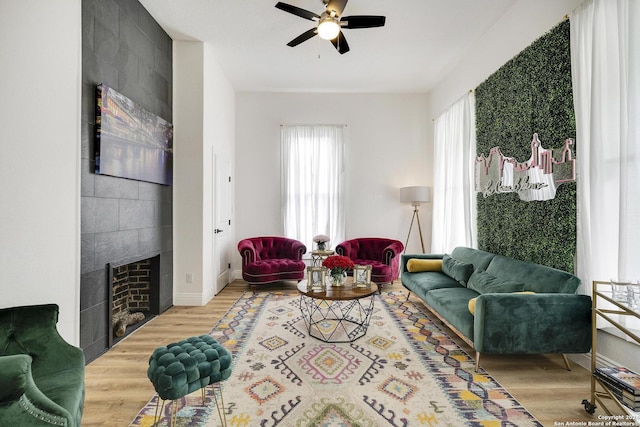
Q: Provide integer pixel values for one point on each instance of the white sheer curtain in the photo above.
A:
(605, 62)
(313, 182)
(454, 197)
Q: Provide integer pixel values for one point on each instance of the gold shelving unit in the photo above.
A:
(599, 392)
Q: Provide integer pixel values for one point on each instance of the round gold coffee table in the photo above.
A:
(337, 314)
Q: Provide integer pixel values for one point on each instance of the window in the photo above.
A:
(313, 182)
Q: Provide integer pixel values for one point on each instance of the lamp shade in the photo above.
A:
(415, 195)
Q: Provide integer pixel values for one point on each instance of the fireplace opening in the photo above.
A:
(133, 296)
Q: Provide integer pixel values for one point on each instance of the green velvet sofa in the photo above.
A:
(41, 375)
(518, 307)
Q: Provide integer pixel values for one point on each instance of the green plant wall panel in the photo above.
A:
(529, 94)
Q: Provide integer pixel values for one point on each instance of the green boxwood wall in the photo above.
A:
(530, 93)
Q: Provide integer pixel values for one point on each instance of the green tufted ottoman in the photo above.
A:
(181, 368)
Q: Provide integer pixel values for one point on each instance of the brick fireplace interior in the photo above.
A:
(134, 293)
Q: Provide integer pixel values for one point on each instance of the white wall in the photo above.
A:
(524, 23)
(203, 116)
(387, 147)
(188, 137)
(40, 85)
(219, 141)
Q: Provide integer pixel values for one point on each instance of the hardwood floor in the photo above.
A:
(117, 386)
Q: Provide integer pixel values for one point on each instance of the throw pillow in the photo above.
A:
(472, 301)
(457, 270)
(472, 305)
(415, 265)
(484, 283)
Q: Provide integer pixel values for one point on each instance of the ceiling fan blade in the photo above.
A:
(303, 13)
(337, 5)
(363, 21)
(303, 37)
(340, 43)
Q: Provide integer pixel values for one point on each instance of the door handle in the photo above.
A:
(217, 230)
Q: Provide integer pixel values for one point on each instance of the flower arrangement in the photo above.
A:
(337, 264)
(321, 240)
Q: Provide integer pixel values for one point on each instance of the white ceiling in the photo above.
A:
(420, 43)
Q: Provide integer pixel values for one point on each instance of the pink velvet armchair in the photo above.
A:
(271, 259)
(382, 254)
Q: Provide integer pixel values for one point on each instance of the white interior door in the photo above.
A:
(222, 220)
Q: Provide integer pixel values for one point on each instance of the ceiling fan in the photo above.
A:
(331, 22)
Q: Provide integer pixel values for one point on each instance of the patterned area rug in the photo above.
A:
(404, 372)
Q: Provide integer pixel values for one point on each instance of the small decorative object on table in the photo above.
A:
(362, 276)
(317, 256)
(315, 278)
(321, 240)
(619, 290)
(633, 295)
(338, 266)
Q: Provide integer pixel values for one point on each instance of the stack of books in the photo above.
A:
(623, 383)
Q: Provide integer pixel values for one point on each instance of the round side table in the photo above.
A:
(318, 256)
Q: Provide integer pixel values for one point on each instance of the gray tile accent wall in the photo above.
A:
(124, 47)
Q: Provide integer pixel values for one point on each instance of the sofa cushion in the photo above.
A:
(272, 266)
(485, 283)
(422, 282)
(415, 265)
(15, 376)
(274, 270)
(479, 259)
(537, 278)
(456, 269)
(452, 305)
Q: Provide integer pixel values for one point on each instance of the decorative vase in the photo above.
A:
(337, 278)
(322, 246)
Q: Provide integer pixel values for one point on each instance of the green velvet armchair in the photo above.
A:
(41, 375)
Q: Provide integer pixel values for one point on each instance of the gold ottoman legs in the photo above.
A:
(218, 398)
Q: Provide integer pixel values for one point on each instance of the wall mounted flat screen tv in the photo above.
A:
(131, 142)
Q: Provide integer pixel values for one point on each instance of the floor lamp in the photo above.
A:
(415, 195)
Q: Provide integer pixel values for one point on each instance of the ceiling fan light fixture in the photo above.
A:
(328, 28)
(330, 23)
